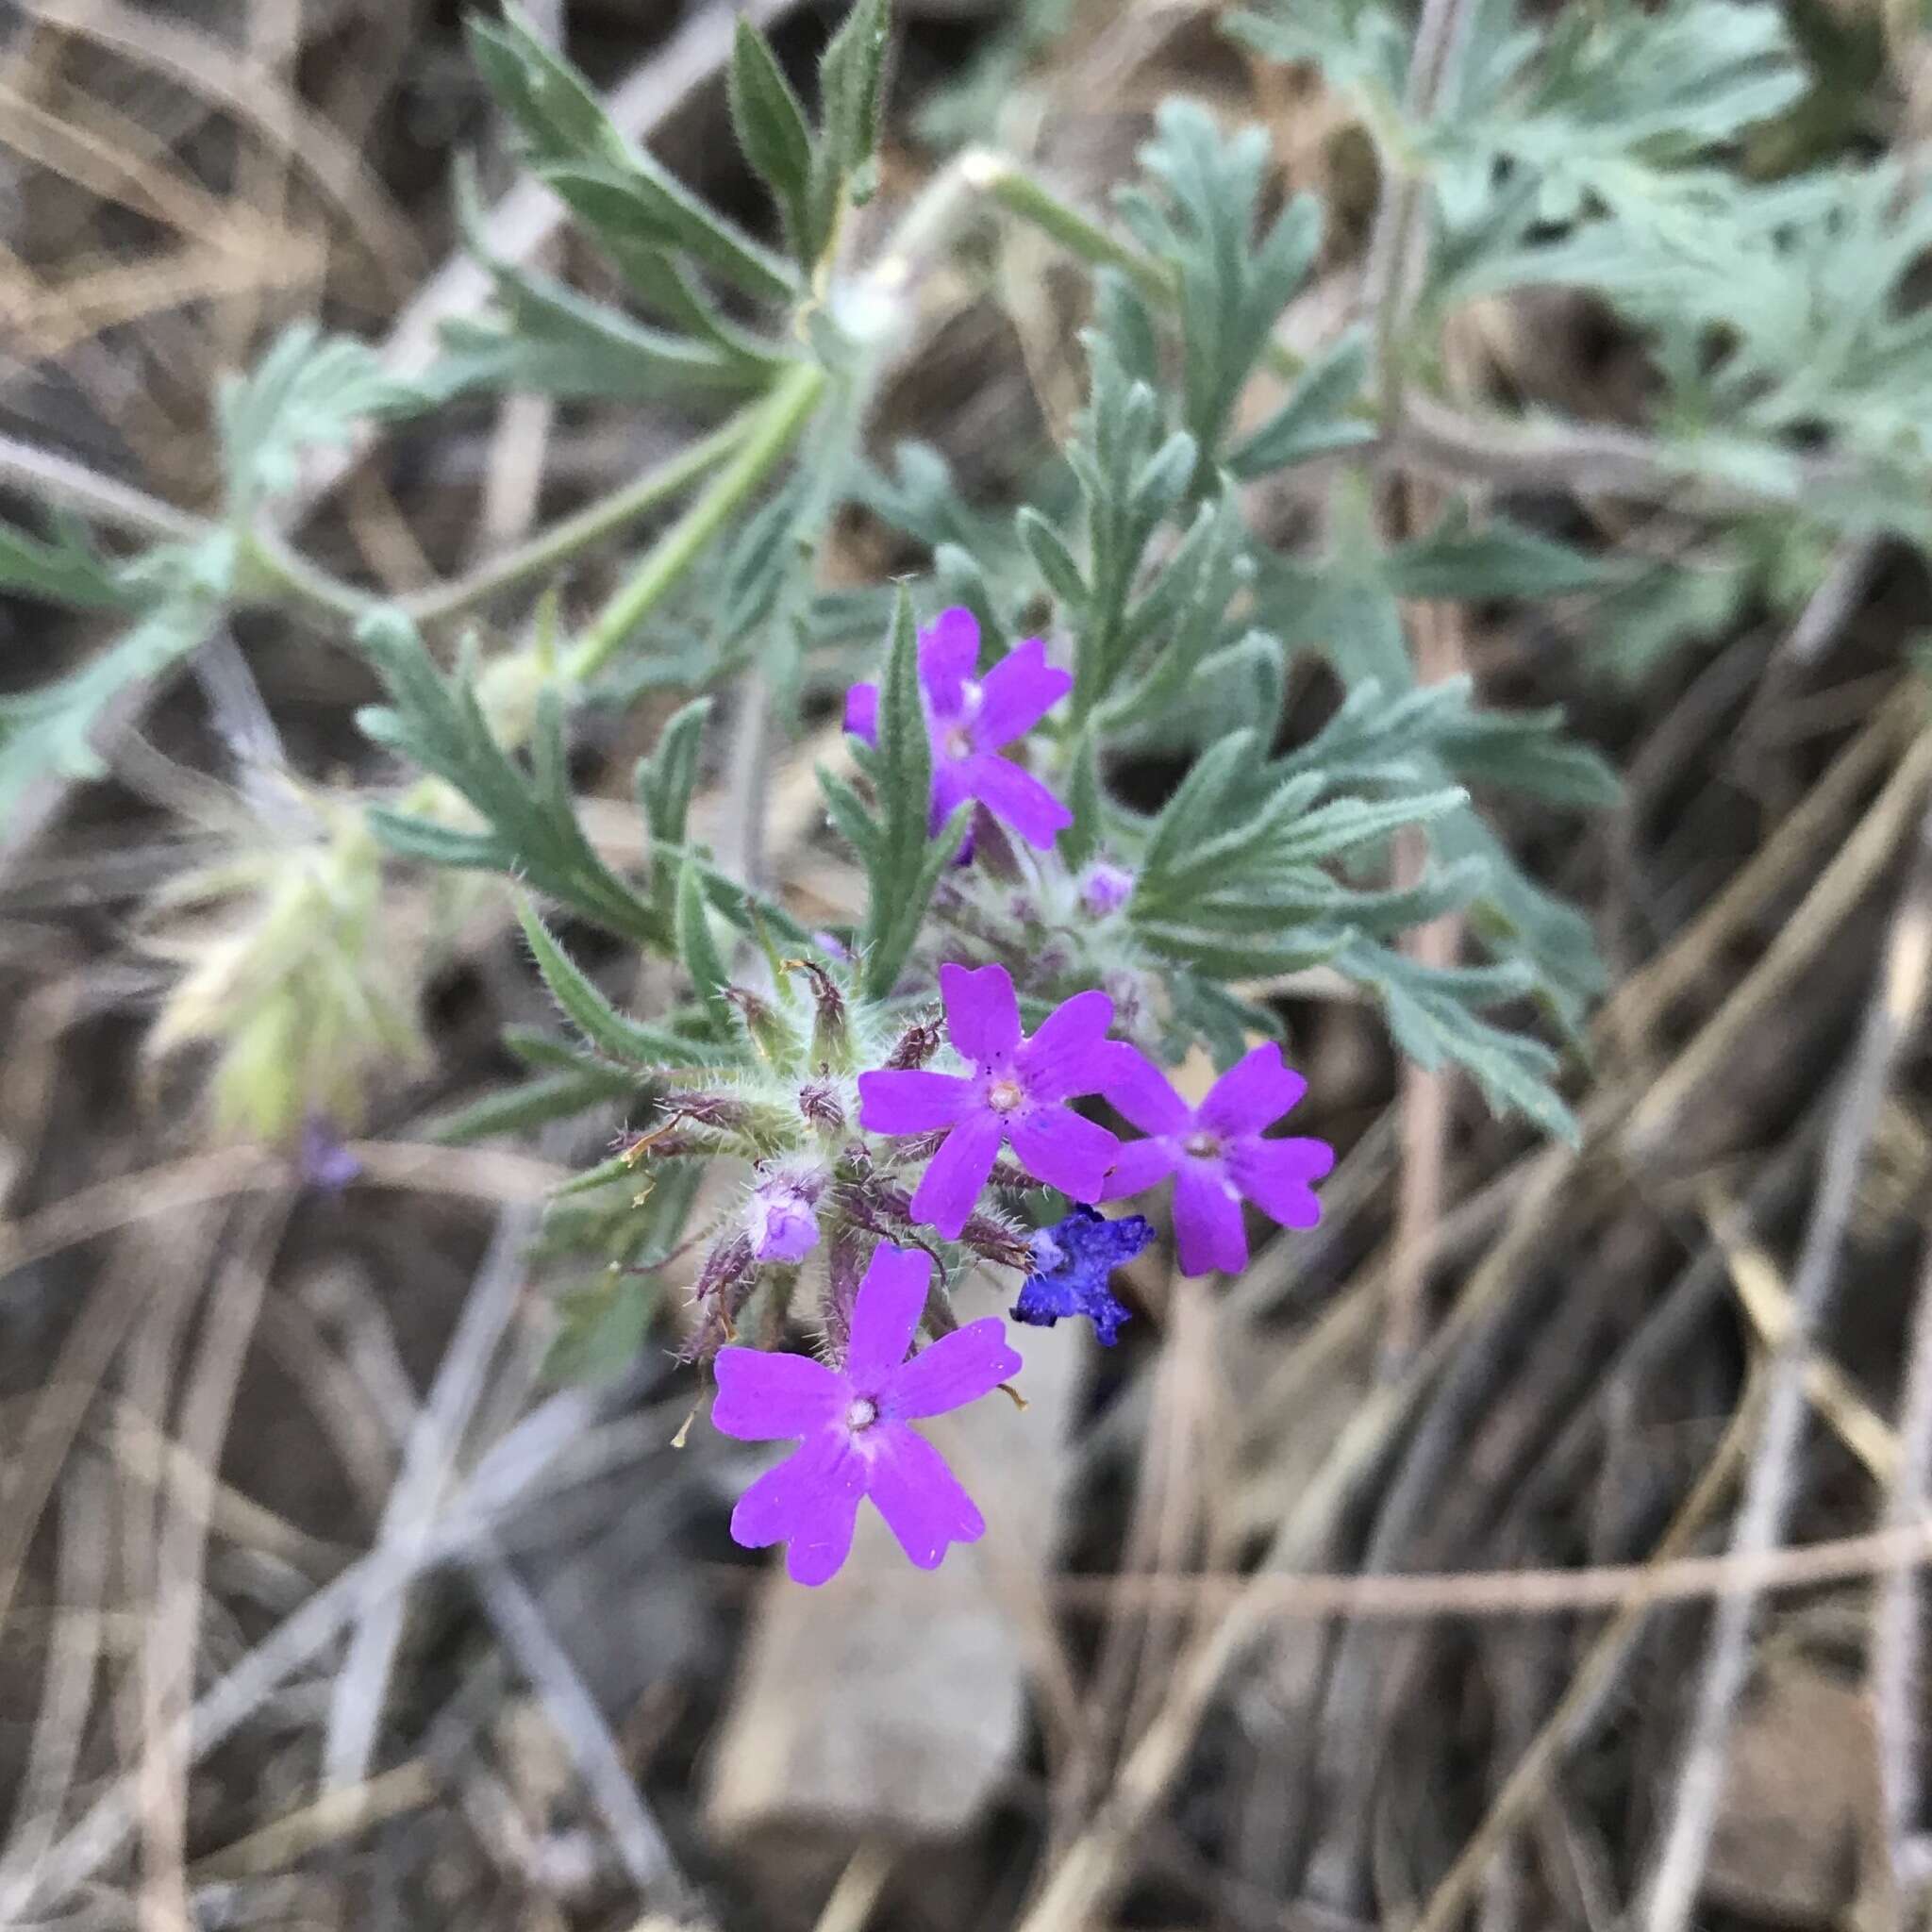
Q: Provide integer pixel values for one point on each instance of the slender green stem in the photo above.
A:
(591, 524)
(777, 425)
(270, 569)
(51, 478)
(285, 575)
(1028, 196)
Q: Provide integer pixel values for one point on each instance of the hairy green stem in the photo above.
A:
(1025, 195)
(590, 525)
(777, 427)
(280, 572)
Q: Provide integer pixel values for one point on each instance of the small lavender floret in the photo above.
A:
(1105, 887)
(324, 1160)
(1071, 1261)
(850, 1424)
(1216, 1153)
(969, 720)
(782, 1219)
(1016, 1094)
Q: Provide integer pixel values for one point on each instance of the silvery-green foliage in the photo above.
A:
(1606, 151)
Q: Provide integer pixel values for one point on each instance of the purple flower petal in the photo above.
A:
(982, 1014)
(1254, 1094)
(809, 1500)
(1142, 1092)
(955, 1369)
(949, 1190)
(862, 712)
(1276, 1176)
(948, 656)
(952, 786)
(1208, 1220)
(766, 1398)
(1142, 1164)
(892, 1102)
(1064, 1058)
(1017, 692)
(1018, 798)
(885, 1317)
(1073, 1263)
(1055, 1145)
(920, 1497)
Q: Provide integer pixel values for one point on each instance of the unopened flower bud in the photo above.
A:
(768, 1031)
(782, 1220)
(916, 1046)
(1105, 887)
(819, 1107)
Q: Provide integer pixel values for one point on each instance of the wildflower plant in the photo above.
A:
(833, 1133)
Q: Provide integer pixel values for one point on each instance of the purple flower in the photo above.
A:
(1016, 1092)
(781, 1220)
(1072, 1261)
(1216, 1153)
(971, 720)
(851, 1426)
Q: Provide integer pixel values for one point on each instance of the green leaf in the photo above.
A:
(1526, 751)
(640, 198)
(548, 100)
(1500, 559)
(698, 946)
(614, 1034)
(522, 1109)
(1188, 814)
(64, 569)
(892, 920)
(307, 391)
(530, 816)
(1320, 416)
(902, 763)
(773, 132)
(1232, 284)
(601, 1325)
(1429, 1013)
(852, 77)
(847, 812)
(52, 728)
(552, 340)
(667, 778)
(1081, 841)
(1049, 551)
(430, 843)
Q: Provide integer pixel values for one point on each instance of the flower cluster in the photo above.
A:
(872, 1137)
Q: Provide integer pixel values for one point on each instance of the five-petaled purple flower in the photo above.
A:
(851, 1425)
(1216, 1153)
(1072, 1261)
(971, 720)
(1016, 1092)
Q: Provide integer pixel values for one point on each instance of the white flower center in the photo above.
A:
(1004, 1095)
(862, 1414)
(1202, 1145)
